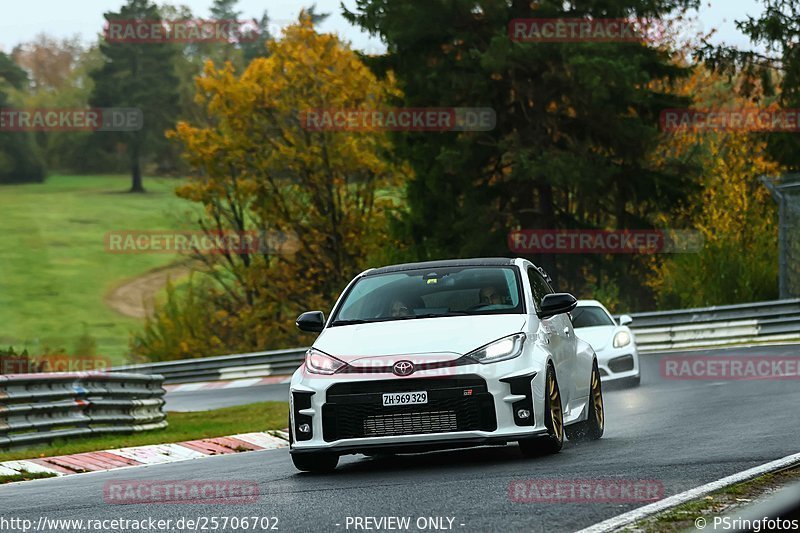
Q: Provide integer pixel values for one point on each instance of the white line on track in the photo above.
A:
(662, 505)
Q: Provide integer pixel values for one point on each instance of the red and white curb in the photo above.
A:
(64, 465)
(232, 384)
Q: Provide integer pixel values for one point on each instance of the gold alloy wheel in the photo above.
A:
(556, 415)
(597, 398)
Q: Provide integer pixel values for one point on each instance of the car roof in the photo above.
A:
(590, 303)
(484, 261)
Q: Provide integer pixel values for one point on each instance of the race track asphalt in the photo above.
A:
(680, 434)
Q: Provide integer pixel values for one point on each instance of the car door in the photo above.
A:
(562, 338)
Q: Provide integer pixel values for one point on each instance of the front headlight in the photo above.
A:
(500, 350)
(622, 338)
(318, 362)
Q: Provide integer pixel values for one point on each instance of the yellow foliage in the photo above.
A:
(327, 196)
(733, 211)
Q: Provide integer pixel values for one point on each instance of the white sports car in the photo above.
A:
(443, 354)
(614, 343)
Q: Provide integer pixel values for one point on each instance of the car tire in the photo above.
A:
(553, 421)
(592, 428)
(317, 463)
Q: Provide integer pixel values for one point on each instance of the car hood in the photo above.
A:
(443, 338)
(599, 337)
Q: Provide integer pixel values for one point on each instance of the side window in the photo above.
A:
(536, 287)
(539, 287)
(546, 285)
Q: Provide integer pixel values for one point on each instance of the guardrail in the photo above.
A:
(224, 367)
(666, 330)
(36, 408)
(724, 325)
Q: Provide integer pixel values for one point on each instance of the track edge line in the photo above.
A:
(646, 511)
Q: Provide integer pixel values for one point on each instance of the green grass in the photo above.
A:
(721, 502)
(54, 269)
(25, 476)
(182, 427)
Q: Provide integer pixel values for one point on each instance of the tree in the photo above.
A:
(20, 161)
(225, 10)
(575, 124)
(255, 44)
(49, 61)
(777, 28)
(138, 75)
(319, 199)
(732, 211)
(59, 71)
(11, 74)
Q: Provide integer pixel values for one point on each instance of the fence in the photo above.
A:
(36, 408)
(224, 367)
(785, 191)
(723, 325)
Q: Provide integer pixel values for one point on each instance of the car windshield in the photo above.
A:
(587, 317)
(430, 293)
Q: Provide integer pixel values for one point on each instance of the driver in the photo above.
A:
(490, 296)
(399, 309)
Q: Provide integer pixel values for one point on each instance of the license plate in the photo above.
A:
(405, 398)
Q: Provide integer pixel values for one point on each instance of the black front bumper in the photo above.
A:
(355, 410)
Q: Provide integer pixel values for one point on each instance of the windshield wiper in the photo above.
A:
(351, 322)
(391, 318)
(436, 315)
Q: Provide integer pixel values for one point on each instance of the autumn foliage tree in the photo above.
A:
(576, 122)
(319, 199)
(732, 209)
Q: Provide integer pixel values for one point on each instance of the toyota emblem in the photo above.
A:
(403, 368)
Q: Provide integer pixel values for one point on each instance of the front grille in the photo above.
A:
(408, 424)
(354, 386)
(355, 409)
(621, 364)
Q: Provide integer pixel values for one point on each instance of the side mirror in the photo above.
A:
(556, 304)
(624, 320)
(312, 321)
